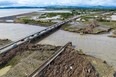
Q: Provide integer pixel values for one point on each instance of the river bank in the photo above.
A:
(92, 28)
(76, 27)
(27, 60)
(4, 42)
(33, 57)
(83, 27)
(113, 34)
(99, 46)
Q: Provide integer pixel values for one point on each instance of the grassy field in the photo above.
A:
(104, 23)
(34, 22)
(110, 24)
(28, 20)
(63, 15)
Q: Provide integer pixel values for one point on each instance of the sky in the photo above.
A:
(57, 2)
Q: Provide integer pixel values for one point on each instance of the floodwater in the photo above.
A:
(56, 11)
(113, 17)
(16, 31)
(99, 46)
(10, 12)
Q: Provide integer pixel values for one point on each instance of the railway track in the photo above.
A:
(50, 60)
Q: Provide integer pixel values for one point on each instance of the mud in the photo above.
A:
(27, 58)
(72, 63)
(4, 42)
(92, 28)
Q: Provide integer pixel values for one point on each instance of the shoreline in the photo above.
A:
(99, 66)
(4, 19)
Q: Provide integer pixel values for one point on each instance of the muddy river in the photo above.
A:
(99, 46)
(16, 31)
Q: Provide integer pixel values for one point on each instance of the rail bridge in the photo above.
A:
(34, 36)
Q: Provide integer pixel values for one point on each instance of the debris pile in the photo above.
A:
(4, 42)
(69, 64)
(92, 28)
(72, 63)
(89, 28)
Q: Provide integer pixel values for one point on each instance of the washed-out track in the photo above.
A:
(50, 60)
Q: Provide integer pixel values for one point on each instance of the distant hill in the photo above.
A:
(18, 7)
(59, 6)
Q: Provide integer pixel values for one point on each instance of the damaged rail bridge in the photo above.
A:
(8, 51)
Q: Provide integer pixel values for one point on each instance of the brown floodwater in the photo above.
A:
(99, 46)
(16, 31)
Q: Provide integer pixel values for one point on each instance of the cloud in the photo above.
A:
(56, 2)
(5, 3)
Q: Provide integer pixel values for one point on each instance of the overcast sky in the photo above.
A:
(56, 2)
